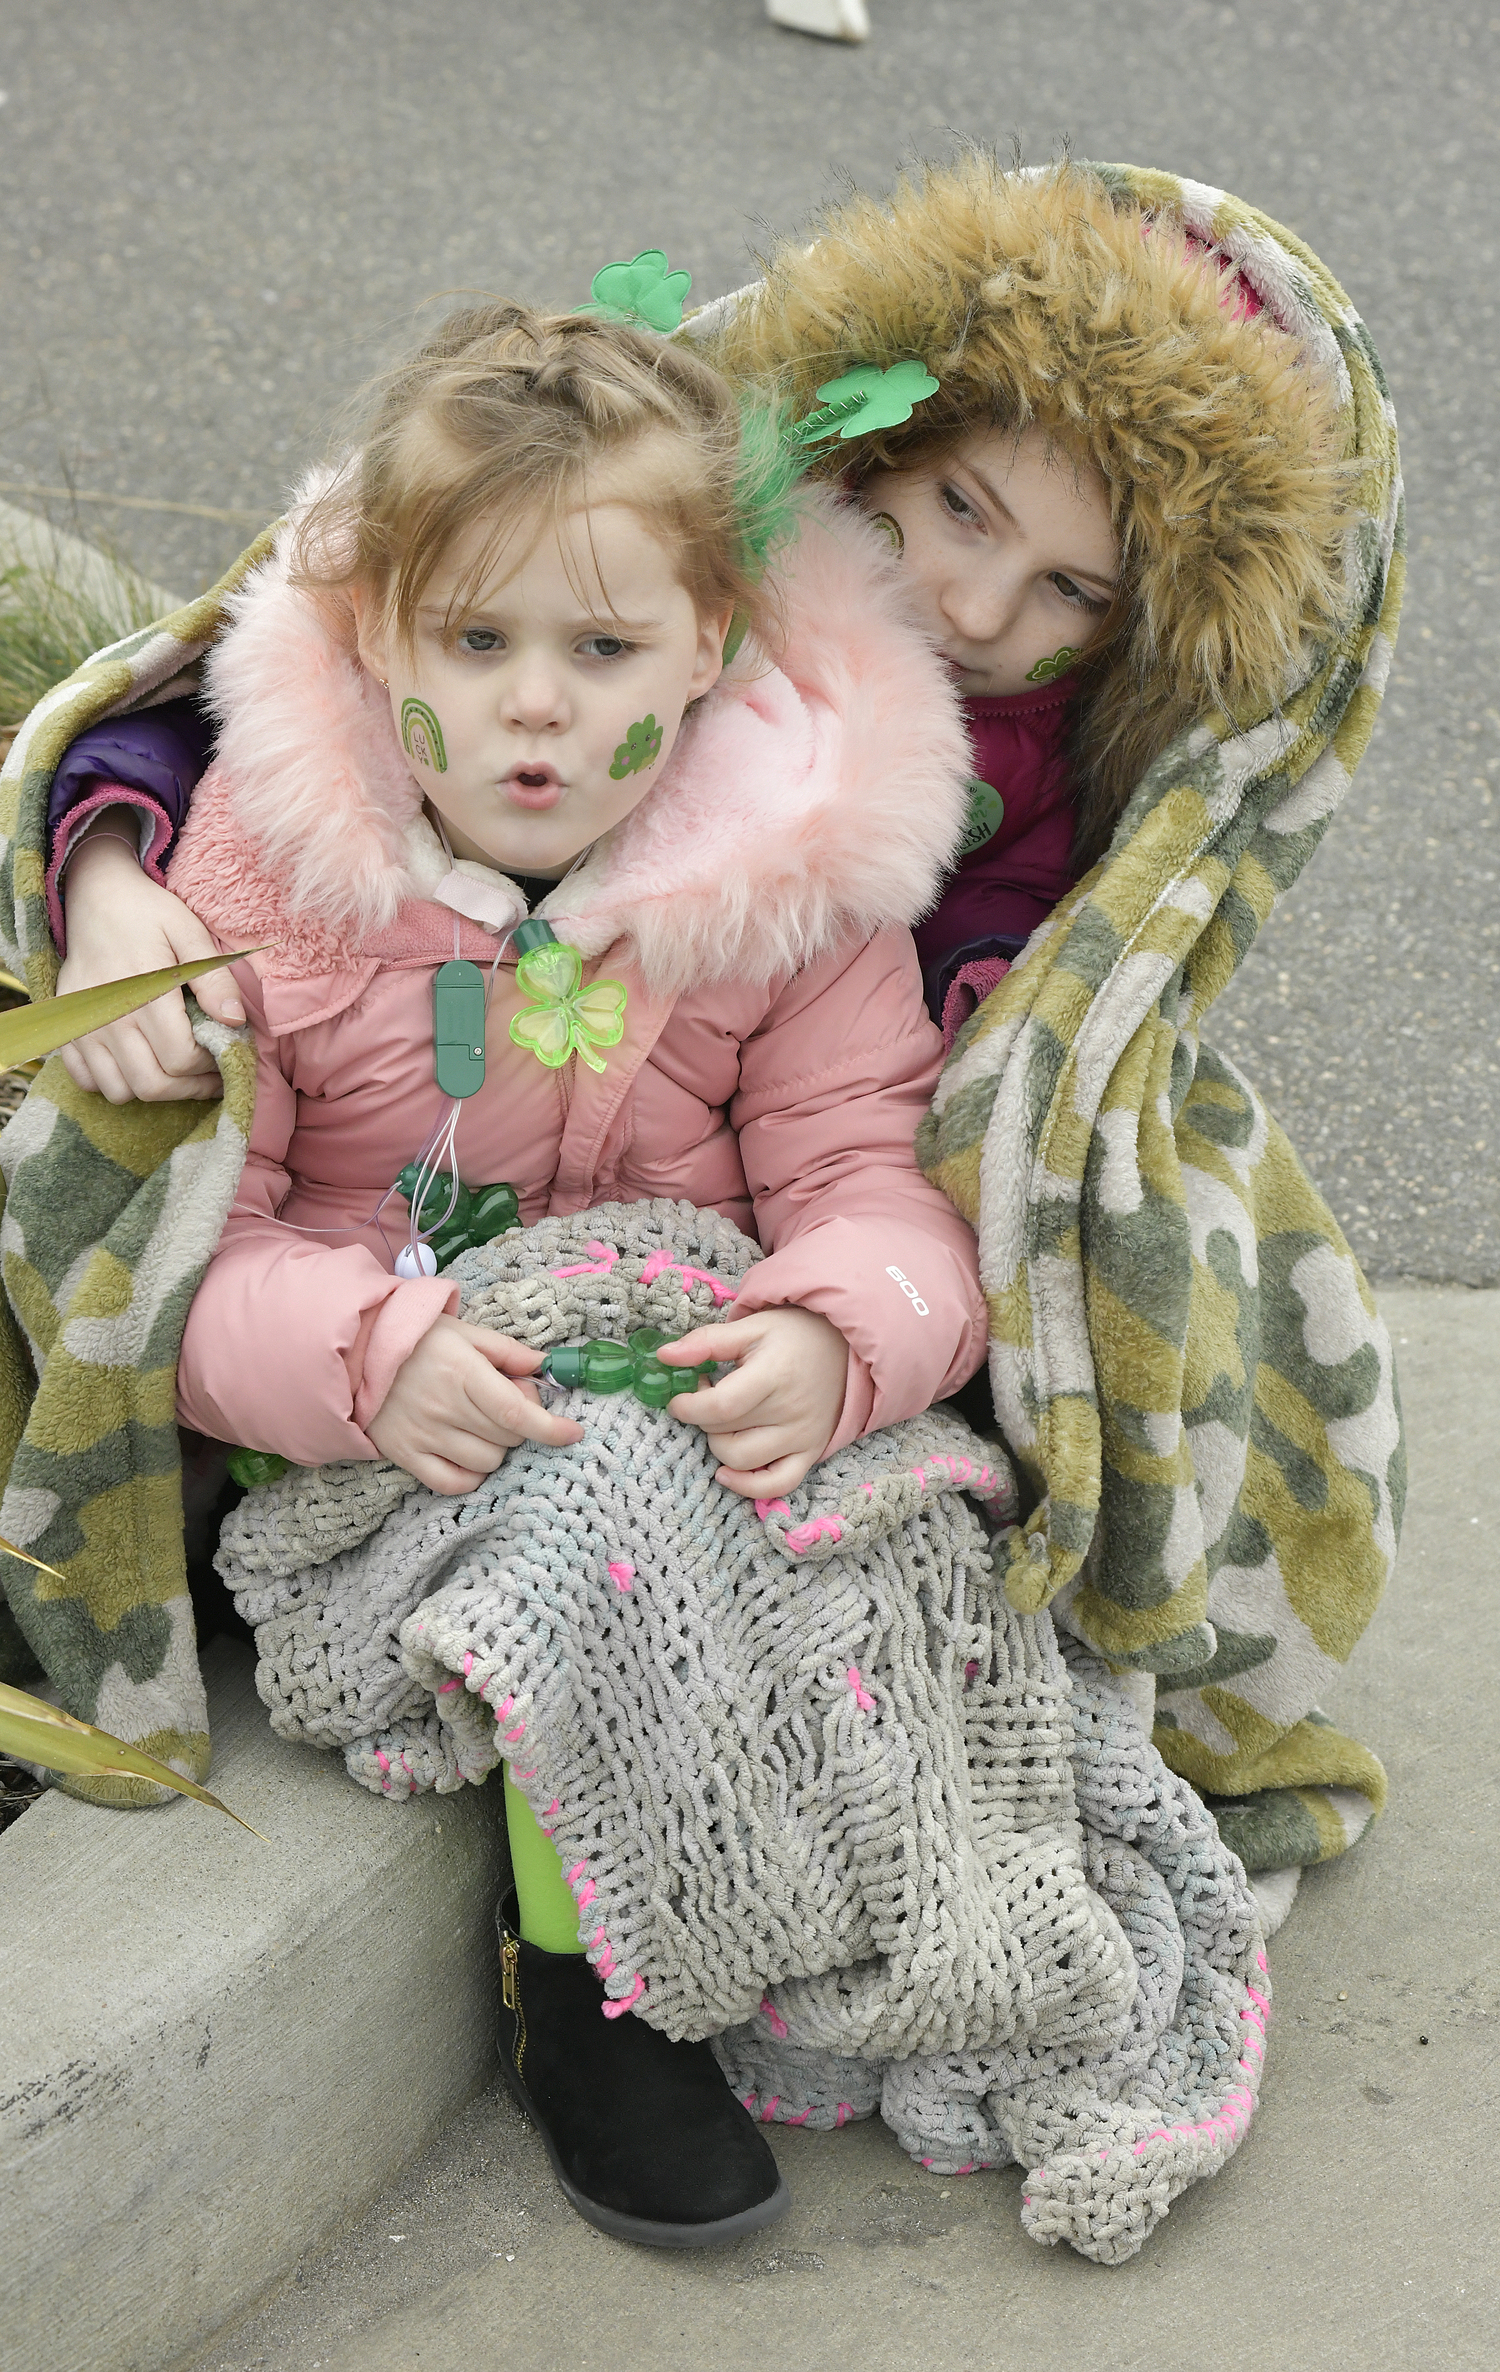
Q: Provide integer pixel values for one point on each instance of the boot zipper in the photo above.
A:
(510, 1994)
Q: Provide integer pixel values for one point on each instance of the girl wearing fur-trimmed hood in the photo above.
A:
(1123, 508)
(1160, 386)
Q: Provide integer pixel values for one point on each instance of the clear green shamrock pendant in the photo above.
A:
(562, 1017)
(631, 1366)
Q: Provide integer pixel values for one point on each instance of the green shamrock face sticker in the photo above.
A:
(643, 290)
(639, 749)
(1047, 671)
(865, 399)
(563, 1017)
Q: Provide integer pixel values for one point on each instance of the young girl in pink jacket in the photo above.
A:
(476, 702)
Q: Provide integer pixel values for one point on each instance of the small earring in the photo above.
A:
(891, 529)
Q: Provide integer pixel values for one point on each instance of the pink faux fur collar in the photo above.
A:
(801, 803)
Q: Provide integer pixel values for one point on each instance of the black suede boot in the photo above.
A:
(645, 2137)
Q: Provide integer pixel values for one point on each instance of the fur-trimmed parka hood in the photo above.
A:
(803, 803)
(1157, 349)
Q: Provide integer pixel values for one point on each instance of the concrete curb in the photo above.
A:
(214, 2050)
(217, 2052)
(31, 541)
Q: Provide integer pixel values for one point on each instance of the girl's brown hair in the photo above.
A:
(1059, 300)
(510, 415)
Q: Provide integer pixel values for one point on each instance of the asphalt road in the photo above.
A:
(214, 220)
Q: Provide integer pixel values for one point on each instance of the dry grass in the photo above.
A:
(13, 1084)
(18, 1789)
(49, 624)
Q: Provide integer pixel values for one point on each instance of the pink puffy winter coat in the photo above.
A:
(776, 1060)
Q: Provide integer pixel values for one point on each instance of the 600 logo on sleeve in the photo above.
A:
(910, 1290)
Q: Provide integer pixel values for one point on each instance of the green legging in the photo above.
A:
(549, 1915)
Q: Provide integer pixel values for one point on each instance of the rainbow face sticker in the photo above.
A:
(422, 736)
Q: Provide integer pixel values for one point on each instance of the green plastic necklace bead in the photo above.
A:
(655, 1385)
(478, 1215)
(253, 1469)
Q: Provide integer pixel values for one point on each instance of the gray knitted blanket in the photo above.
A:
(818, 1791)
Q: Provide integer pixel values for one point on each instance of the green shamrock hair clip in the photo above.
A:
(863, 400)
(643, 290)
(562, 1017)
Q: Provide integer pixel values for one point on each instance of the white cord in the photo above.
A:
(441, 1147)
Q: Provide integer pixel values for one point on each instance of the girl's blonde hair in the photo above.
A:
(511, 415)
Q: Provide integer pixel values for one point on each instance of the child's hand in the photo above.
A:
(453, 1410)
(121, 921)
(774, 1417)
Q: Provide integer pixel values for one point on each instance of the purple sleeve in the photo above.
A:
(150, 761)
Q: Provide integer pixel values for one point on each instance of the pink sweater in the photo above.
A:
(1003, 889)
(777, 1057)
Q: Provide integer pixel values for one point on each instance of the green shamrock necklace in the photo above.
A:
(562, 1017)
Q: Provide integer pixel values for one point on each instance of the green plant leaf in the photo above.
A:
(50, 622)
(31, 1030)
(36, 1732)
(27, 1558)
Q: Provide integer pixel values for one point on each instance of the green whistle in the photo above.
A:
(632, 1366)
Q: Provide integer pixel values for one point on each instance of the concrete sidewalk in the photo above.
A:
(216, 2053)
(214, 2047)
(1358, 2230)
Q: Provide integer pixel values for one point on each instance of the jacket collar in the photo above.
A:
(803, 803)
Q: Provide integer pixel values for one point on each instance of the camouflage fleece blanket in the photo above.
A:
(110, 1216)
(1186, 1359)
(1184, 1356)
